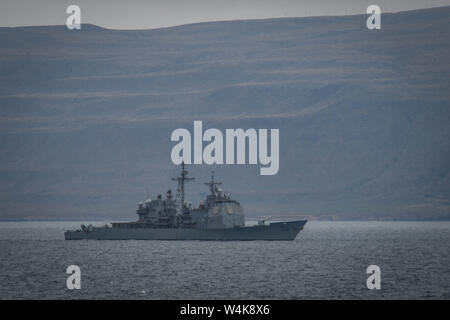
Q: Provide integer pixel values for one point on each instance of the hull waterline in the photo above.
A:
(274, 231)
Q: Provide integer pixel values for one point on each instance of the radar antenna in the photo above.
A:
(181, 179)
(213, 184)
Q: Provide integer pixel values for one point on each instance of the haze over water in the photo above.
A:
(327, 260)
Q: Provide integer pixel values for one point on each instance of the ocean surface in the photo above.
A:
(328, 260)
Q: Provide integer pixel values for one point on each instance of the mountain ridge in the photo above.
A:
(363, 115)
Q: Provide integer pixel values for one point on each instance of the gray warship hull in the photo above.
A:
(274, 231)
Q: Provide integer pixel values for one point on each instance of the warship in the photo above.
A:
(217, 218)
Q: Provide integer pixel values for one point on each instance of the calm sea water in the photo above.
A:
(327, 260)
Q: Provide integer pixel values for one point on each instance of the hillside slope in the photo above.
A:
(364, 116)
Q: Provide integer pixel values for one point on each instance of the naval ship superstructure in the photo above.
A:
(217, 218)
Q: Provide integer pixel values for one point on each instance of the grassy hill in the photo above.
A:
(86, 116)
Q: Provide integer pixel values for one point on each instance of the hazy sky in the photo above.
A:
(146, 14)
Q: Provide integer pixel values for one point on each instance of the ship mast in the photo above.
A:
(181, 179)
(212, 184)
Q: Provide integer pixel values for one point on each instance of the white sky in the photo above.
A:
(147, 14)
